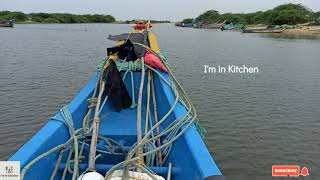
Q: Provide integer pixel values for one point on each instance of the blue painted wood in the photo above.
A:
(189, 156)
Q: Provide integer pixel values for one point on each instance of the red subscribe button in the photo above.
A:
(283, 170)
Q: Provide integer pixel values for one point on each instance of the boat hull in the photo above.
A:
(263, 31)
(212, 26)
(189, 156)
(227, 27)
(6, 24)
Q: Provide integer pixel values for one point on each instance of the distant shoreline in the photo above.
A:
(308, 31)
(33, 22)
(66, 18)
(287, 15)
(312, 31)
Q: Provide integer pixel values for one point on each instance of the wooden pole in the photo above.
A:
(139, 112)
(95, 130)
(148, 104)
(156, 118)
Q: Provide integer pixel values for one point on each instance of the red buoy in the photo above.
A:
(142, 25)
(153, 61)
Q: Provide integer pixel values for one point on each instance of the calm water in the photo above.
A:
(253, 121)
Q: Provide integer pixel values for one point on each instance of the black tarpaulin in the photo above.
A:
(115, 88)
(141, 38)
(125, 51)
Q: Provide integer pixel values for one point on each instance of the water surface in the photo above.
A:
(253, 121)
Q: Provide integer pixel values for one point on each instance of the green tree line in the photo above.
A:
(56, 17)
(290, 14)
(188, 21)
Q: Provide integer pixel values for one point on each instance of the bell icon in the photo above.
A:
(304, 171)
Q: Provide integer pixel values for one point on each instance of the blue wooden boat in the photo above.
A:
(228, 26)
(62, 148)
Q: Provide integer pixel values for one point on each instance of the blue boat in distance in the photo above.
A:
(158, 135)
(190, 25)
(227, 26)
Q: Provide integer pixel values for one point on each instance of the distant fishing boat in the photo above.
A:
(217, 25)
(186, 25)
(132, 119)
(6, 23)
(239, 26)
(228, 26)
(211, 26)
(262, 30)
(181, 24)
(178, 24)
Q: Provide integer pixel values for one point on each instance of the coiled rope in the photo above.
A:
(146, 147)
(173, 131)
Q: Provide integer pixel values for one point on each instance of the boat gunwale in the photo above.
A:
(51, 128)
(201, 155)
(199, 152)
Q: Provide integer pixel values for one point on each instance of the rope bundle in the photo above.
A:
(129, 65)
(149, 147)
(170, 134)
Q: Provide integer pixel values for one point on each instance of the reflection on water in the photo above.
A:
(253, 121)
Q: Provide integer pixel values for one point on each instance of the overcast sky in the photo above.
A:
(147, 9)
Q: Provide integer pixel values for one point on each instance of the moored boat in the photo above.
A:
(228, 26)
(6, 23)
(181, 24)
(262, 30)
(178, 24)
(186, 25)
(132, 118)
(217, 25)
(211, 26)
(239, 26)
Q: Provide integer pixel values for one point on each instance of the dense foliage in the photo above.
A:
(284, 14)
(18, 16)
(316, 17)
(209, 16)
(56, 17)
(187, 21)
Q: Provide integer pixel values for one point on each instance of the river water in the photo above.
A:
(253, 121)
